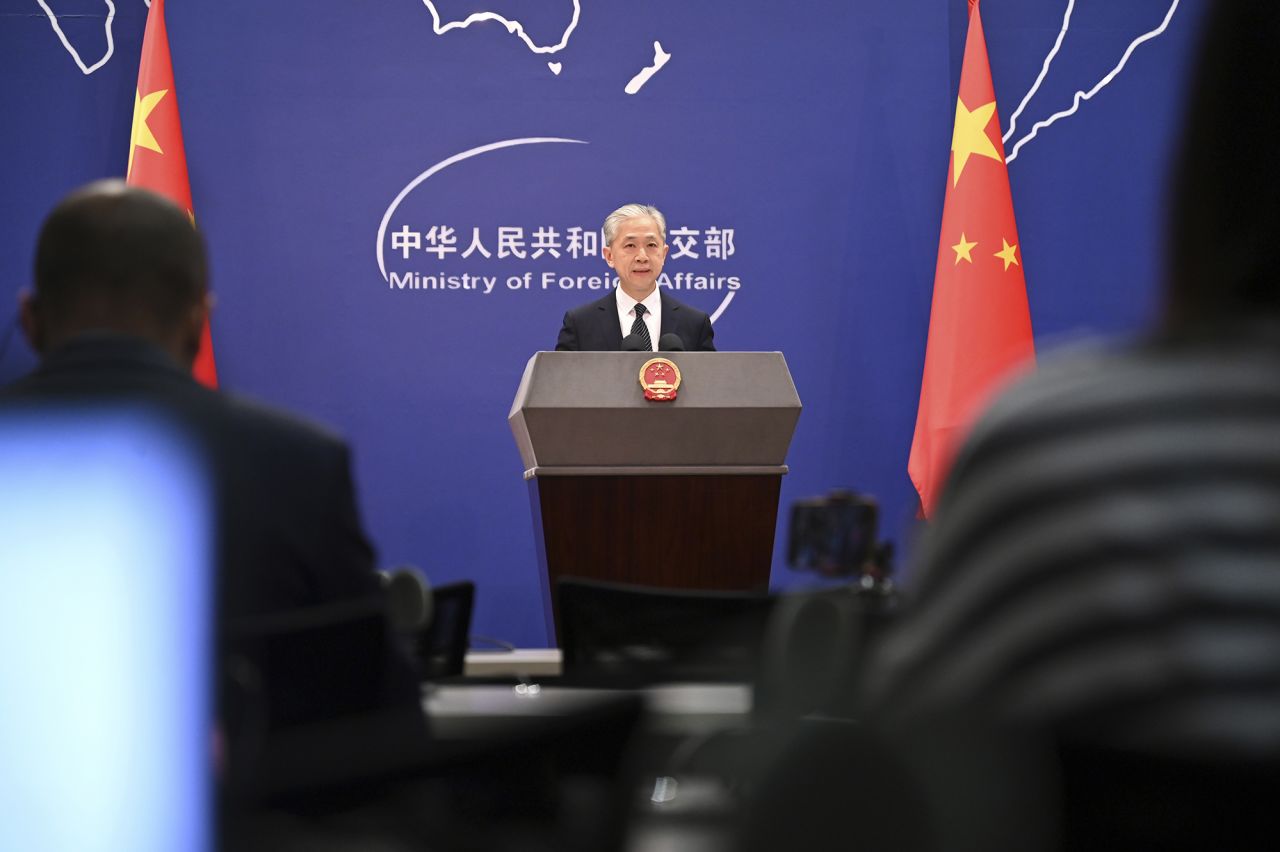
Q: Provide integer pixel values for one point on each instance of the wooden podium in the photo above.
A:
(680, 494)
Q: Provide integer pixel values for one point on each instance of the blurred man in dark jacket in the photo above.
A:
(116, 313)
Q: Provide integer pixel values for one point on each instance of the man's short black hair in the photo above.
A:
(116, 256)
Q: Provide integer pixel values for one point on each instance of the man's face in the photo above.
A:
(637, 254)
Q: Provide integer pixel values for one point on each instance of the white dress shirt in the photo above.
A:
(652, 318)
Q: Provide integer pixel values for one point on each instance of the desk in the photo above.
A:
(461, 711)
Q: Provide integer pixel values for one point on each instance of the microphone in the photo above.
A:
(409, 600)
(634, 343)
(670, 342)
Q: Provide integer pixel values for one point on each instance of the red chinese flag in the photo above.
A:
(157, 160)
(980, 326)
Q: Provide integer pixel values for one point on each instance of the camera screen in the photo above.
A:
(832, 536)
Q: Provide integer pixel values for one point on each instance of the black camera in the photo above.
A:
(834, 535)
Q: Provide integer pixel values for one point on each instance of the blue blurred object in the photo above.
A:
(105, 554)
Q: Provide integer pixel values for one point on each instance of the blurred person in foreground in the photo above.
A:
(1104, 567)
(119, 301)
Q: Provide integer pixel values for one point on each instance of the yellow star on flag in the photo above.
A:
(962, 249)
(1008, 254)
(141, 135)
(970, 136)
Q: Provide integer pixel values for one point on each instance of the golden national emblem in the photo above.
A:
(659, 377)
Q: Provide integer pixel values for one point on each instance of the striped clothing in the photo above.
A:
(1106, 556)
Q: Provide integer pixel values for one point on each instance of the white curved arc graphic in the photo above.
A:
(111, 46)
(727, 299)
(513, 27)
(466, 155)
(1044, 71)
(1082, 96)
(444, 164)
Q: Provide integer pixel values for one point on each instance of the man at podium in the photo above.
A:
(636, 316)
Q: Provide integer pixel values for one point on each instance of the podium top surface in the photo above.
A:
(586, 412)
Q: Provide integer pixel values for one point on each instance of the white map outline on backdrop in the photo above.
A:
(111, 45)
(1080, 96)
(62, 37)
(514, 27)
(660, 58)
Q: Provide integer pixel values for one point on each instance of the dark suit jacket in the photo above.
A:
(288, 533)
(593, 327)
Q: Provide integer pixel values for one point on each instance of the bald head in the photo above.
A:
(116, 258)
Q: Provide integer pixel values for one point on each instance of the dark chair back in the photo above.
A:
(647, 635)
(562, 780)
(440, 648)
(310, 664)
(308, 690)
(1132, 800)
(816, 645)
(824, 785)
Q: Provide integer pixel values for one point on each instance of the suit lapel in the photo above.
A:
(613, 329)
(669, 318)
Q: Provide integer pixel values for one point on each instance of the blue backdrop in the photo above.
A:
(345, 158)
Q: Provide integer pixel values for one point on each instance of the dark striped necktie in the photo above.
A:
(639, 327)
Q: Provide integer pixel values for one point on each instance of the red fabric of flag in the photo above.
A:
(980, 325)
(157, 159)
